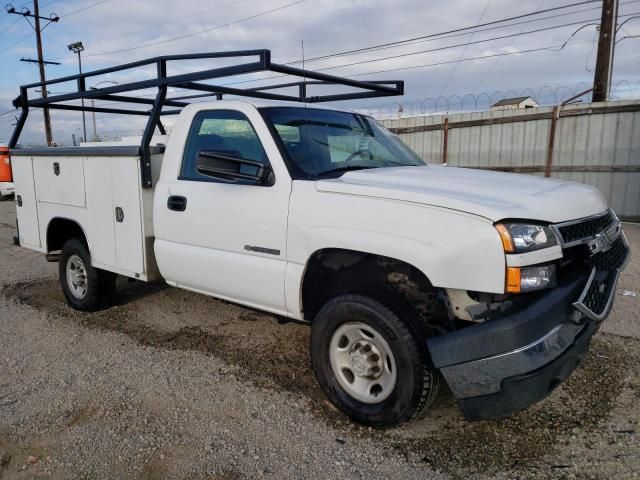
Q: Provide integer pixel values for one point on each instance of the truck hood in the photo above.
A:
(493, 195)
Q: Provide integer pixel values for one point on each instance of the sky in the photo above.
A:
(456, 69)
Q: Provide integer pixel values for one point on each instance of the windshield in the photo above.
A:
(326, 143)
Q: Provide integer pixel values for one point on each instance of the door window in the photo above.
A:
(223, 131)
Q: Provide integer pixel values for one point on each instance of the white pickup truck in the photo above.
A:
(407, 272)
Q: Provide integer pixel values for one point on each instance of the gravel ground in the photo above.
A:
(173, 384)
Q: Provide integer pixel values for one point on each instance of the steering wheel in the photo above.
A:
(359, 153)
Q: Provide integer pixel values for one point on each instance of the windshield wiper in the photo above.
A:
(344, 170)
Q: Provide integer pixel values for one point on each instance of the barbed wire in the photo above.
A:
(544, 96)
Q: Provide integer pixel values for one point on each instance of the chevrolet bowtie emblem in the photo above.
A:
(603, 241)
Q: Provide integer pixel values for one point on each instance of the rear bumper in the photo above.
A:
(506, 364)
(7, 188)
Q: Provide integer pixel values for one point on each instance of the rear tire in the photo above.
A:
(377, 393)
(85, 288)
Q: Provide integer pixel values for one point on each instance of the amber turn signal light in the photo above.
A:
(513, 280)
(505, 236)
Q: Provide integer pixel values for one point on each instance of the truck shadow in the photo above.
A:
(130, 290)
(170, 318)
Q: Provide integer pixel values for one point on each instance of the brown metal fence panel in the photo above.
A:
(597, 144)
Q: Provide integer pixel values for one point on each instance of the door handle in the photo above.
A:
(177, 203)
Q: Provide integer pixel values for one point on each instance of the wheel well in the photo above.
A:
(332, 272)
(60, 230)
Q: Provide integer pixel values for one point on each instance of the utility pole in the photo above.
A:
(36, 27)
(47, 117)
(606, 46)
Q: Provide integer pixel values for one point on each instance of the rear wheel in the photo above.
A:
(86, 288)
(371, 360)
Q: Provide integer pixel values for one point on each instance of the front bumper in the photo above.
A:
(506, 364)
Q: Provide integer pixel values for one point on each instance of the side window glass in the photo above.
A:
(224, 131)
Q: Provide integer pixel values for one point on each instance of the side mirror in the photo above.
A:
(229, 168)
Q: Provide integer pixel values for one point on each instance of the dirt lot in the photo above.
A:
(174, 384)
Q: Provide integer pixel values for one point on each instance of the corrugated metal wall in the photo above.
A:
(597, 144)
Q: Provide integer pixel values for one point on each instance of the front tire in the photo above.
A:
(370, 360)
(85, 288)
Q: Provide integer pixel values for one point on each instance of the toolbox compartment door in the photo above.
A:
(99, 206)
(60, 180)
(126, 207)
(115, 217)
(26, 205)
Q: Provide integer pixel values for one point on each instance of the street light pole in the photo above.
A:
(77, 47)
(93, 112)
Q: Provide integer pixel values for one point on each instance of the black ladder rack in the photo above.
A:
(191, 81)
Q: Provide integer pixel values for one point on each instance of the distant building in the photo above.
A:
(514, 104)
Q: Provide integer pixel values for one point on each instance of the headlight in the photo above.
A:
(521, 237)
(529, 279)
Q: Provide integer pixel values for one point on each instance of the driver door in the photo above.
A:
(222, 238)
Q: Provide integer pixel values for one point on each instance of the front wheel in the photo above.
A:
(86, 288)
(371, 361)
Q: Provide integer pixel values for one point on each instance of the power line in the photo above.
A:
(635, 37)
(437, 37)
(468, 59)
(451, 46)
(559, 47)
(46, 4)
(10, 71)
(66, 15)
(456, 30)
(593, 46)
(42, 6)
(578, 30)
(499, 55)
(8, 67)
(628, 19)
(181, 37)
(392, 57)
(555, 48)
(403, 55)
(493, 65)
(464, 50)
(16, 43)
(442, 35)
(172, 21)
(11, 25)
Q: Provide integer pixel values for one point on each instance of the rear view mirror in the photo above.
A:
(226, 167)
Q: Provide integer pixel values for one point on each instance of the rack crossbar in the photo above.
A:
(190, 81)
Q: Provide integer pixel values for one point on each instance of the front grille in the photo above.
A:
(598, 293)
(612, 258)
(597, 296)
(586, 229)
